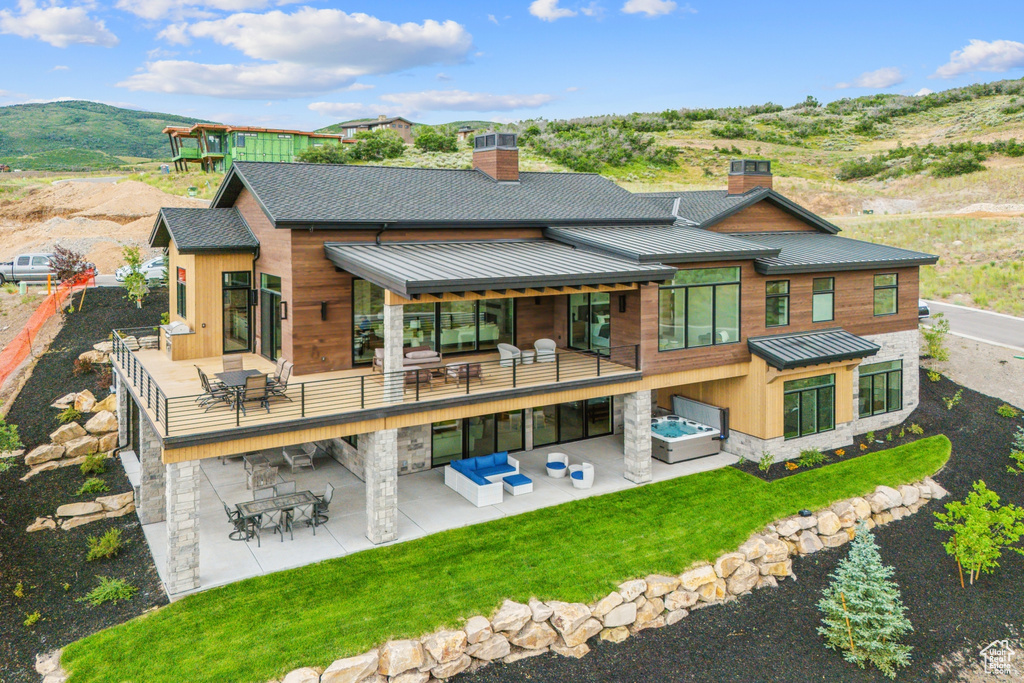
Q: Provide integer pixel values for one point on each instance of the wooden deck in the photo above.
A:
(169, 390)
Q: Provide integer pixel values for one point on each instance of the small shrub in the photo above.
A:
(19, 590)
(95, 463)
(106, 546)
(67, 263)
(766, 461)
(1007, 410)
(135, 284)
(903, 432)
(958, 164)
(811, 457)
(10, 288)
(916, 429)
(32, 619)
(982, 528)
(109, 590)
(934, 376)
(82, 366)
(954, 400)
(935, 339)
(69, 414)
(105, 379)
(92, 485)
(869, 437)
(888, 435)
(9, 439)
(165, 318)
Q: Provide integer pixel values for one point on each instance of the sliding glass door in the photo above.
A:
(572, 421)
(590, 322)
(475, 436)
(235, 295)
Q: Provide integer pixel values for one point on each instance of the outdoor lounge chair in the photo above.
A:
(509, 354)
(582, 476)
(557, 465)
(546, 350)
(278, 384)
(255, 390)
(232, 362)
(463, 372)
(300, 456)
(416, 376)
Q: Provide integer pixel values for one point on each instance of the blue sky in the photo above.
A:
(309, 64)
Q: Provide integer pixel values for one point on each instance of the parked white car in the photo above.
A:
(153, 269)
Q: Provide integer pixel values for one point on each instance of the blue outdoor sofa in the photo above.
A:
(478, 480)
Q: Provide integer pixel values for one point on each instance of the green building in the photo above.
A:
(214, 146)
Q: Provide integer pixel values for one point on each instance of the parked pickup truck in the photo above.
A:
(28, 268)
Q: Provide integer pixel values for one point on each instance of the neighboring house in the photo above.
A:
(214, 147)
(738, 303)
(464, 133)
(395, 123)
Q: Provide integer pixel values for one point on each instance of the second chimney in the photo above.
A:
(497, 155)
(746, 174)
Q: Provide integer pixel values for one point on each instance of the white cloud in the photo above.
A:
(344, 110)
(493, 19)
(651, 8)
(443, 77)
(593, 10)
(60, 67)
(178, 9)
(239, 81)
(886, 77)
(981, 55)
(175, 34)
(922, 92)
(548, 10)
(572, 88)
(57, 25)
(360, 86)
(460, 100)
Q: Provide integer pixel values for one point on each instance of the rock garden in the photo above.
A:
(73, 559)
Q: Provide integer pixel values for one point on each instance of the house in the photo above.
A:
(464, 133)
(214, 147)
(397, 124)
(736, 307)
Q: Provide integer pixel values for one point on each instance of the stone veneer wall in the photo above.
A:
(151, 494)
(518, 631)
(903, 346)
(414, 449)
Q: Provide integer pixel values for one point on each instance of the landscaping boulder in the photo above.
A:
(560, 648)
(303, 675)
(129, 508)
(117, 501)
(520, 653)
(727, 564)
(93, 356)
(410, 677)
(712, 592)
(828, 523)
(623, 615)
(835, 540)
(477, 629)
(399, 656)
(77, 509)
(767, 582)
(449, 669)
(895, 499)
(909, 494)
(647, 616)
(85, 401)
(787, 527)
(567, 617)
(539, 610)
(777, 550)
(845, 512)
(783, 568)
(753, 548)
(102, 422)
(659, 584)
(675, 617)
(587, 630)
(495, 647)
(40, 524)
(534, 636)
(511, 617)
(106, 347)
(629, 590)
(109, 403)
(607, 604)
(72, 522)
(743, 579)
(900, 512)
(64, 402)
(677, 600)
(444, 646)
(83, 445)
(861, 507)
(44, 453)
(692, 579)
(65, 433)
(936, 490)
(615, 635)
(107, 443)
(808, 522)
(808, 543)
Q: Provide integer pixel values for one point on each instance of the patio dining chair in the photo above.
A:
(255, 391)
(323, 503)
(278, 384)
(263, 492)
(232, 362)
(240, 523)
(277, 520)
(306, 514)
(284, 488)
(213, 393)
(262, 476)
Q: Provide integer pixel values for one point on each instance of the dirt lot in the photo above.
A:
(95, 218)
(15, 310)
(992, 370)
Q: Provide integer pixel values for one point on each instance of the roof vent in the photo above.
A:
(746, 174)
(497, 155)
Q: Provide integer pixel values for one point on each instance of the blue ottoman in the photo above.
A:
(517, 484)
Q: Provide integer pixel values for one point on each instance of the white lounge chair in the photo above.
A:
(510, 355)
(557, 465)
(545, 350)
(582, 476)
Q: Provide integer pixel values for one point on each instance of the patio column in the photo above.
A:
(182, 526)
(122, 411)
(151, 498)
(636, 422)
(381, 477)
(393, 343)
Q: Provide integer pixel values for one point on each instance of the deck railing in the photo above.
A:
(149, 392)
(330, 397)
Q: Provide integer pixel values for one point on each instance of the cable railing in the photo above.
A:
(231, 408)
(149, 392)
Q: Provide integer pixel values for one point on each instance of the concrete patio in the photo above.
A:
(425, 506)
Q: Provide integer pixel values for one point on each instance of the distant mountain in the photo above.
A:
(339, 127)
(78, 134)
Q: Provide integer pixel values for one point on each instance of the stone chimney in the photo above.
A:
(745, 174)
(382, 117)
(497, 155)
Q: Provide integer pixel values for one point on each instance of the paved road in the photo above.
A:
(981, 325)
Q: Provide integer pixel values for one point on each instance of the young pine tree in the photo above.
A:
(863, 615)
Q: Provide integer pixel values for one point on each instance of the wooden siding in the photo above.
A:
(274, 259)
(535, 319)
(762, 217)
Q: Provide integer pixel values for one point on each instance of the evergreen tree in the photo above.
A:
(863, 614)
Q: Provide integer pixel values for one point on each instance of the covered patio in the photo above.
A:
(425, 506)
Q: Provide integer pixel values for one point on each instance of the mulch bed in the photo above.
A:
(44, 561)
(771, 634)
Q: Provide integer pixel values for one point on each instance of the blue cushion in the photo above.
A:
(492, 471)
(578, 474)
(501, 458)
(477, 479)
(556, 465)
(484, 461)
(458, 465)
(517, 480)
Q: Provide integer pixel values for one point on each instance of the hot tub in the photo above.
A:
(676, 439)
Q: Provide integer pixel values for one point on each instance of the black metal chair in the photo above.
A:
(212, 393)
(255, 391)
(240, 523)
(278, 520)
(322, 505)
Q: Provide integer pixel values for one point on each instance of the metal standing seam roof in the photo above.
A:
(336, 195)
(662, 243)
(805, 252)
(800, 349)
(203, 230)
(436, 267)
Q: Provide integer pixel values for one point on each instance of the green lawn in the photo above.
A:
(261, 628)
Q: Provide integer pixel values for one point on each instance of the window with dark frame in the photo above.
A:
(700, 307)
(181, 293)
(809, 406)
(823, 300)
(880, 388)
(776, 305)
(886, 294)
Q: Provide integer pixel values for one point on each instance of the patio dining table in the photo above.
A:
(235, 379)
(253, 508)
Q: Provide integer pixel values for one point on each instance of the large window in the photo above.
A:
(572, 421)
(270, 316)
(367, 320)
(886, 296)
(809, 405)
(474, 436)
(181, 293)
(881, 388)
(700, 307)
(590, 322)
(776, 305)
(235, 299)
(823, 300)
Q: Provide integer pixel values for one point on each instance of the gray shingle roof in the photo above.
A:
(199, 230)
(806, 252)
(304, 195)
(436, 267)
(704, 208)
(666, 243)
(800, 349)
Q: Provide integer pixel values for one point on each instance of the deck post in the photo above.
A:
(182, 526)
(151, 498)
(394, 321)
(122, 410)
(380, 471)
(636, 420)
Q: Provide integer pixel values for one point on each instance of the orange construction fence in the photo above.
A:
(20, 348)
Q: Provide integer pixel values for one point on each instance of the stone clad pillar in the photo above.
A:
(123, 414)
(151, 498)
(636, 428)
(381, 470)
(182, 526)
(393, 343)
